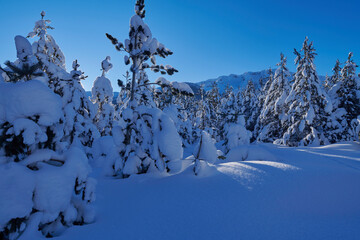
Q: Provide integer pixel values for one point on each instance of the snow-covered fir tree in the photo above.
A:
(273, 110)
(309, 105)
(46, 50)
(148, 137)
(79, 112)
(346, 102)
(50, 188)
(102, 96)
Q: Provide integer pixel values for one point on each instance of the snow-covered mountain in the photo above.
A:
(236, 81)
(240, 81)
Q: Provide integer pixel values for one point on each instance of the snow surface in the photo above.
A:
(307, 193)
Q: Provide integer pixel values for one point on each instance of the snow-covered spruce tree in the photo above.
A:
(309, 105)
(265, 88)
(205, 152)
(228, 105)
(102, 96)
(186, 119)
(250, 106)
(191, 107)
(147, 136)
(2, 74)
(79, 111)
(346, 102)
(273, 111)
(213, 100)
(228, 111)
(194, 107)
(202, 115)
(327, 84)
(335, 78)
(239, 99)
(47, 189)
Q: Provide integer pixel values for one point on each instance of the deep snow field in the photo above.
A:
(277, 193)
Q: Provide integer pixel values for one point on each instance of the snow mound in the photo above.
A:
(102, 89)
(27, 99)
(250, 152)
(23, 48)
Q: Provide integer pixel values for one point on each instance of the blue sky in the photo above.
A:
(209, 38)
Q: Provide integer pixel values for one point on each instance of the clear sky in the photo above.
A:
(209, 38)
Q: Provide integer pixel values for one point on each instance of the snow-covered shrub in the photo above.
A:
(28, 121)
(44, 184)
(181, 121)
(153, 142)
(205, 152)
(236, 134)
(102, 96)
(106, 153)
